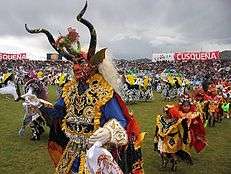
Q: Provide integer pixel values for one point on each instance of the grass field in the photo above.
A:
(22, 156)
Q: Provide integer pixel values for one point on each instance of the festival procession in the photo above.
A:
(115, 87)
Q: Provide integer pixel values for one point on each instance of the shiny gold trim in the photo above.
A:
(107, 95)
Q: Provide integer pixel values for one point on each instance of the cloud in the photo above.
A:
(128, 28)
(33, 47)
(123, 36)
(161, 40)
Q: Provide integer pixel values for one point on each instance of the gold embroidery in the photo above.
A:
(68, 157)
(87, 105)
(82, 109)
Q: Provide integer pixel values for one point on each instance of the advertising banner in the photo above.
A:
(196, 55)
(19, 56)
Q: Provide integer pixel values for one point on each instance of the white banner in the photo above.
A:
(163, 57)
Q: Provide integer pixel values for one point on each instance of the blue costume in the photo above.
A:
(109, 111)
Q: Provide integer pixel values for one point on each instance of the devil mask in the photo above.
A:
(84, 64)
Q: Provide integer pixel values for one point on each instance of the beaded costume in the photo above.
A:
(94, 129)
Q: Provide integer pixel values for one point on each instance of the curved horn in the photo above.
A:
(93, 41)
(52, 42)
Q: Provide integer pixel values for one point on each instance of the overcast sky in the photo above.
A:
(128, 28)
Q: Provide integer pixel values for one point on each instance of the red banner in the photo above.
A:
(19, 56)
(197, 55)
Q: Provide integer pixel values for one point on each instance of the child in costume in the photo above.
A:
(177, 131)
(169, 134)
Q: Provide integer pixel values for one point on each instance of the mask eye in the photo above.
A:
(81, 61)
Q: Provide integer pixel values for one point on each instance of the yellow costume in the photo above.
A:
(169, 134)
(213, 106)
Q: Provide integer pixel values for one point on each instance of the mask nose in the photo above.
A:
(77, 67)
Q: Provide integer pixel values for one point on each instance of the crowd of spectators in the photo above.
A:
(219, 69)
(21, 67)
(194, 69)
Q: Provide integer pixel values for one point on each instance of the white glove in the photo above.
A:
(32, 99)
(112, 132)
(118, 133)
(102, 135)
